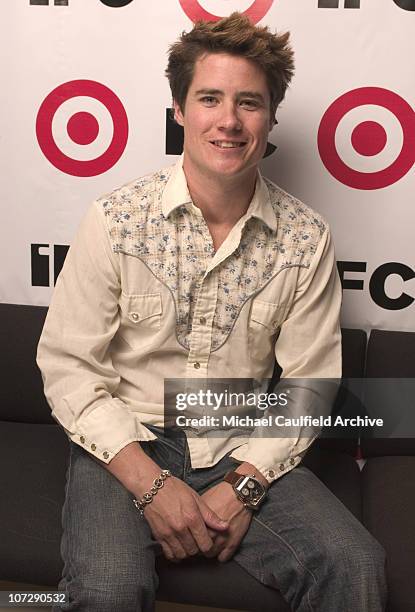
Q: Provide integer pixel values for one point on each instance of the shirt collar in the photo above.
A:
(176, 193)
(261, 206)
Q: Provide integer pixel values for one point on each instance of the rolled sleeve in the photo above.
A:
(308, 348)
(73, 352)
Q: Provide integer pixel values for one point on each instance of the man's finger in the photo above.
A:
(167, 551)
(200, 531)
(176, 547)
(189, 543)
(211, 519)
(226, 554)
(219, 544)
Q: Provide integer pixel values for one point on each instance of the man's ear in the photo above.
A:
(178, 115)
(272, 122)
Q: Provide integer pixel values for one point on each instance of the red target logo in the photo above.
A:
(255, 10)
(366, 138)
(76, 141)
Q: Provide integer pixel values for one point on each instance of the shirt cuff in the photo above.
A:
(281, 459)
(107, 429)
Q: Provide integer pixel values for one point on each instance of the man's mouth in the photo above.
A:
(227, 144)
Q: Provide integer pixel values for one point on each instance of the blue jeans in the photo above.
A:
(303, 540)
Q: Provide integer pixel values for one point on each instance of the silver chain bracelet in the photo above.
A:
(148, 497)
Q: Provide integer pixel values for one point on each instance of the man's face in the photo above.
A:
(226, 118)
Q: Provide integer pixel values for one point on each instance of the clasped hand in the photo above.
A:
(186, 524)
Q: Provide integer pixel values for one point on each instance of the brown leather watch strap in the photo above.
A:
(233, 477)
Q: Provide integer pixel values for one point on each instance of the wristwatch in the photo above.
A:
(247, 488)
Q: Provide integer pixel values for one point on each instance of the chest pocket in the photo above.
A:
(140, 318)
(265, 320)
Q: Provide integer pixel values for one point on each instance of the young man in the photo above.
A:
(203, 270)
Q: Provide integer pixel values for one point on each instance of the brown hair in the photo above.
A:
(236, 35)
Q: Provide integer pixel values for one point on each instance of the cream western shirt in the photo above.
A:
(143, 296)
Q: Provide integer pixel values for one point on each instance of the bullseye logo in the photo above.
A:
(82, 128)
(206, 10)
(366, 138)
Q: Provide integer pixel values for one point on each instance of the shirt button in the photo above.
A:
(202, 321)
(292, 461)
(105, 455)
(82, 439)
(93, 447)
(196, 365)
(271, 473)
(135, 316)
(282, 467)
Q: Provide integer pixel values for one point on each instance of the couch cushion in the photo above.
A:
(32, 482)
(206, 582)
(340, 473)
(389, 393)
(390, 354)
(348, 402)
(353, 352)
(21, 395)
(388, 513)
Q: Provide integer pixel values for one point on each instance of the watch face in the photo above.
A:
(250, 491)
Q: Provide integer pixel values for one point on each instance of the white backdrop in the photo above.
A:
(83, 80)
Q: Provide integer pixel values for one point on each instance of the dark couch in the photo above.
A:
(34, 452)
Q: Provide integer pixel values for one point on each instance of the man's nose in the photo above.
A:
(229, 118)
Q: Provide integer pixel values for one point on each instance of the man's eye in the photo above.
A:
(249, 103)
(209, 100)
